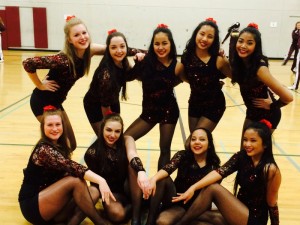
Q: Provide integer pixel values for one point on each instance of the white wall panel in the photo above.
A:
(137, 18)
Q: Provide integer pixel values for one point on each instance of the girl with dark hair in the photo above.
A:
(108, 80)
(257, 85)
(114, 158)
(54, 189)
(193, 164)
(65, 68)
(204, 68)
(159, 72)
(256, 186)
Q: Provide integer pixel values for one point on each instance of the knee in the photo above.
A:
(161, 221)
(117, 215)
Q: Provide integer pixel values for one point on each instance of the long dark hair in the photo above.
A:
(63, 146)
(267, 158)
(107, 62)
(190, 47)
(120, 144)
(212, 159)
(151, 57)
(242, 73)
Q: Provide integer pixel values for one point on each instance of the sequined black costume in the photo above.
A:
(188, 173)
(104, 91)
(257, 89)
(206, 98)
(115, 169)
(159, 102)
(252, 190)
(60, 71)
(46, 165)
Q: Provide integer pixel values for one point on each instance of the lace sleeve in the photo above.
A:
(45, 62)
(230, 166)
(136, 71)
(108, 92)
(90, 158)
(274, 215)
(174, 162)
(47, 156)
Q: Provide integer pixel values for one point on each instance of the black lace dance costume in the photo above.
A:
(46, 165)
(104, 91)
(206, 98)
(159, 102)
(252, 191)
(257, 89)
(188, 173)
(60, 71)
(115, 171)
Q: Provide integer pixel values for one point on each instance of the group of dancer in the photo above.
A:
(54, 188)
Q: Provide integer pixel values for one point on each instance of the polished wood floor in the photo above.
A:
(19, 131)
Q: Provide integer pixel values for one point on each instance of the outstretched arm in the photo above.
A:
(97, 49)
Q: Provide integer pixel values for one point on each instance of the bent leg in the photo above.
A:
(170, 215)
(56, 197)
(233, 210)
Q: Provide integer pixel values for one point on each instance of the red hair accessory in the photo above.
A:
(162, 25)
(268, 123)
(49, 108)
(108, 112)
(111, 31)
(211, 19)
(69, 17)
(254, 25)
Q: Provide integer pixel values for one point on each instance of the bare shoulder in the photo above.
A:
(273, 171)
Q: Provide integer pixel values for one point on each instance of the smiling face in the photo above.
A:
(111, 132)
(245, 45)
(79, 38)
(205, 37)
(253, 143)
(117, 49)
(199, 142)
(162, 46)
(53, 127)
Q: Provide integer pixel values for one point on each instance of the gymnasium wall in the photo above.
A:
(137, 19)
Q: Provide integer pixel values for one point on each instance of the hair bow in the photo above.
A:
(254, 25)
(211, 19)
(268, 123)
(111, 31)
(49, 108)
(162, 25)
(69, 17)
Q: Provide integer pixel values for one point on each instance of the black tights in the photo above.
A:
(140, 127)
(233, 210)
(165, 190)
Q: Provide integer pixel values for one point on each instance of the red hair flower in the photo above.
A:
(254, 25)
(49, 108)
(211, 19)
(111, 31)
(108, 112)
(162, 25)
(268, 123)
(69, 17)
